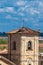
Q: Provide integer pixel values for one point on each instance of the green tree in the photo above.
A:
(3, 41)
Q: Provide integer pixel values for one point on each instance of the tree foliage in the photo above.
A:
(3, 41)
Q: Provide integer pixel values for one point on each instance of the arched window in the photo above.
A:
(29, 46)
(14, 45)
(29, 64)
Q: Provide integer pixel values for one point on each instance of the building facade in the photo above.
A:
(23, 46)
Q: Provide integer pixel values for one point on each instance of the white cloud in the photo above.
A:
(9, 9)
(21, 14)
(21, 9)
(28, 8)
(11, 17)
(2, 10)
(34, 11)
(40, 3)
(21, 3)
(8, 17)
(31, 8)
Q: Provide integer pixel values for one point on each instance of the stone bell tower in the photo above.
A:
(23, 46)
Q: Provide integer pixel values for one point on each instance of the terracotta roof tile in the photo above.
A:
(24, 30)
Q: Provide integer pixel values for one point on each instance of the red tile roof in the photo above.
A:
(24, 30)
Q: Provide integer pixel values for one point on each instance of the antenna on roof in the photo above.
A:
(22, 22)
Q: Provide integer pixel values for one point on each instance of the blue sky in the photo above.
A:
(13, 12)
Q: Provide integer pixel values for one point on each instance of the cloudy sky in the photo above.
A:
(14, 12)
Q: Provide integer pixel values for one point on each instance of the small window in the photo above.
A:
(14, 45)
(29, 45)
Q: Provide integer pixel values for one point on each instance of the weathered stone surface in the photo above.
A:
(23, 56)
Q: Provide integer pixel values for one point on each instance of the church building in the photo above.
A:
(23, 47)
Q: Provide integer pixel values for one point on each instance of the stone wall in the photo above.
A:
(22, 56)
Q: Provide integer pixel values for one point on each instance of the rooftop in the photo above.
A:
(7, 61)
(24, 30)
